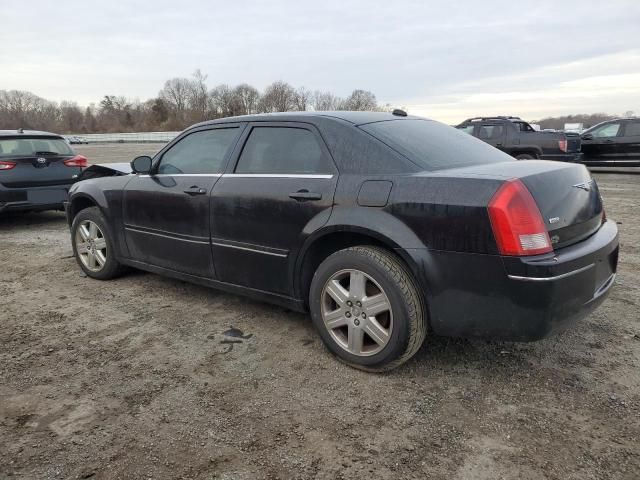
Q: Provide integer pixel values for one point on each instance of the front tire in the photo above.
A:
(367, 309)
(93, 245)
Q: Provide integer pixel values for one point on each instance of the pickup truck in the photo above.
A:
(516, 137)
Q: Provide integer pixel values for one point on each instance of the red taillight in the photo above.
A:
(77, 161)
(562, 144)
(6, 165)
(516, 221)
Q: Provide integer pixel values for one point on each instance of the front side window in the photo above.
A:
(282, 150)
(632, 129)
(200, 152)
(610, 130)
(27, 147)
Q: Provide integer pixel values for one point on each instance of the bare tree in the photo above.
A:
(278, 97)
(303, 99)
(247, 98)
(325, 101)
(360, 100)
(198, 98)
(221, 101)
(71, 117)
(175, 94)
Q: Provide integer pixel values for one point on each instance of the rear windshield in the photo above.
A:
(22, 147)
(434, 146)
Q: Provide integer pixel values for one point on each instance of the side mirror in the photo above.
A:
(587, 136)
(141, 164)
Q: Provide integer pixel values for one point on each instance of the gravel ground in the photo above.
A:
(141, 377)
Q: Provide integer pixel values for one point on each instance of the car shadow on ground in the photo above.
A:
(11, 220)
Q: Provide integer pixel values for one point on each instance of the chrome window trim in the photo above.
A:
(214, 175)
(551, 279)
(276, 175)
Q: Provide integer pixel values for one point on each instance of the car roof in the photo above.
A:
(356, 118)
(30, 133)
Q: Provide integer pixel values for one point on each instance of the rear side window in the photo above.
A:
(41, 146)
(632, 129)
(491, 132)
(286, 150)
(467, 129)
(199, 153)
(434, 146)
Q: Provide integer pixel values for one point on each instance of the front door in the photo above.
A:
(280, 190)
(601, 145)
(166, 213)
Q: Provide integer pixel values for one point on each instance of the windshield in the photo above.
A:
(27, 147)
(433, 145)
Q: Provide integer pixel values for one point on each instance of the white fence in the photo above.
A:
(139, 137)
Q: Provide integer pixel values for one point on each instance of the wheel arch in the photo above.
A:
(79, 202)
(338, 237)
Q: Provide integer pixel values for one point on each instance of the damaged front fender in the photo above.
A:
(105, 170)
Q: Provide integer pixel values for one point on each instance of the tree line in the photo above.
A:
(180, 103)
(587, 119)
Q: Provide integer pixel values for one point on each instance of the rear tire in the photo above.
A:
(93, 245)
(366, 306)
(526, 156)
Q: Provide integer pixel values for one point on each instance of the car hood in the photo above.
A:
(105, 170)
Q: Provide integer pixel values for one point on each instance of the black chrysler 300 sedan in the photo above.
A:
(384, 226)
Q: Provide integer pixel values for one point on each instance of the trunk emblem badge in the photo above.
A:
(554, 220)
(586, 186)
(41, 160)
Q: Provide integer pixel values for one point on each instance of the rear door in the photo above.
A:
(280, 189)
(630, 144)
(493, 133)
(601, 146)
(166, 213)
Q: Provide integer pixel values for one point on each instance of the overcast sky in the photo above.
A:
(446, 60)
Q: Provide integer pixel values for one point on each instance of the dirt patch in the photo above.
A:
(143, 377)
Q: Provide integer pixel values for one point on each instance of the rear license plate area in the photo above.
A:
(47, 196)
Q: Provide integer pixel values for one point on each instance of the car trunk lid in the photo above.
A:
(565, 193)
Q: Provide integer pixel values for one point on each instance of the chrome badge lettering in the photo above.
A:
(553, 220)
(586, 186)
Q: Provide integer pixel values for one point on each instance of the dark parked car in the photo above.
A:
(517, 138)
(75, 140)
(612, 143)
(383, 226)
(36, 170)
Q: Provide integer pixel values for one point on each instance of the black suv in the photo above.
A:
(517, 138)
(612, 143)
(384, 227)
(36, 170)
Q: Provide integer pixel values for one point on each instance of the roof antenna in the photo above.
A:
(399, 113)
(20, 130)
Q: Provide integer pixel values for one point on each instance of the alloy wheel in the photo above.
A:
(91, 245)
(357, 312)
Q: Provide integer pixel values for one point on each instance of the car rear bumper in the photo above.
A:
(576, 157)
(35, 198)
(519, 298)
